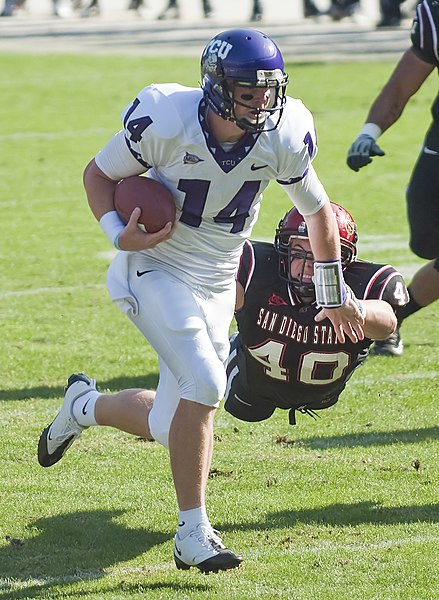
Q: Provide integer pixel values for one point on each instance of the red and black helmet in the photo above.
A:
(293, 226)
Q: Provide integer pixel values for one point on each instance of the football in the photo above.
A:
(153, 198)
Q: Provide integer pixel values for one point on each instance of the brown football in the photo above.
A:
(153, 198)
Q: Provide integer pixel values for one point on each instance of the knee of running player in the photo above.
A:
(205, 387)
(204, 383)
(425, 245)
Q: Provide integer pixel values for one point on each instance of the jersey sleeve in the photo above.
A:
(424, 32)
(387, 284)
(246, 265)
(298, 147)
(297, 142)
(308, 194)
(151, 125)
(116, 161)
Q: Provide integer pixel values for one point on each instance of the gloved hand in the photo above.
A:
(360, 152)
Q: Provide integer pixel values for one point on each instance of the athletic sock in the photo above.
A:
(409, 309)
(189, 519)
(83, 409)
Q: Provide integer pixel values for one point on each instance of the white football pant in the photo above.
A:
(189, 331)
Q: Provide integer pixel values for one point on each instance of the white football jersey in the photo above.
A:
(217, 189)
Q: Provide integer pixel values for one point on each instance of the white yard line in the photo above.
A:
(370, 381)
(53, 135)
(301, 549)
(50, 290)
(392, 243)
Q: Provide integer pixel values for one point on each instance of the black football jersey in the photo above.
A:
(290, 358)
(424, 38)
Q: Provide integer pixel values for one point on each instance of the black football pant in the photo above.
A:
(423, 198)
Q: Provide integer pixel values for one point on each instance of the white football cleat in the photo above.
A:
(202, 547)
(57, 437)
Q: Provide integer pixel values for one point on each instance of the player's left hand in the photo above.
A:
(346, 319)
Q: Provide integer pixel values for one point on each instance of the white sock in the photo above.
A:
(189, 519)
(84, 409)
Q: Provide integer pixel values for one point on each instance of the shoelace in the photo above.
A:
(216, 539)
(208, 537)
(70, 429)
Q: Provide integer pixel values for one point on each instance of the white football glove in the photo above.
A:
(360, 152)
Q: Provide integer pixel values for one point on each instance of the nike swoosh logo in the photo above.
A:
(256, 167)
(177, 549)
(84, 412)
(240, 400)
(140, 273)
(427, 150)
(182, 524)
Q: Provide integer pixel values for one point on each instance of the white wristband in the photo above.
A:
(329, 284)
(372, 130)
(112, 225)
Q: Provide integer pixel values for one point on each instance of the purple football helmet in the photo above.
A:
(247, 58)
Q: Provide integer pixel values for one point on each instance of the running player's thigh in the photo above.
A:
(423, 201)
(171, 319)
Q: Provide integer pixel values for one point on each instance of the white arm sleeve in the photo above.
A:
(116, 160)
(308, 195)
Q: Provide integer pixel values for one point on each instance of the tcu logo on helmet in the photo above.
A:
(215, 49)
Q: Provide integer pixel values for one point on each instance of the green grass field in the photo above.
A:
(344, 507)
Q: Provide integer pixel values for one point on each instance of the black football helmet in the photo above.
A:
(248, 58)
(293, 226)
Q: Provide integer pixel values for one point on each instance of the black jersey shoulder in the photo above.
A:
(424, 31)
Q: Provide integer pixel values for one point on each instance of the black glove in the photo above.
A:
(360, 152)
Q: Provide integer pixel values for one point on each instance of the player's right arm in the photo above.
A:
(132, 151)
(408, 76)
(100, 188)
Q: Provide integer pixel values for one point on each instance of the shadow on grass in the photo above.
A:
(113, 385)
(360, 513)
(120, 590)
(78, 547)
(70, 548)
(371, 438)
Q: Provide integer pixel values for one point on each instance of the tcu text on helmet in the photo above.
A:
(218, 48)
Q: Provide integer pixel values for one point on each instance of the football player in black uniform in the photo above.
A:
(422, 193)
(285, 355)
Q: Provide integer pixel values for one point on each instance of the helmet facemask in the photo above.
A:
(287, 253)
(274, 84)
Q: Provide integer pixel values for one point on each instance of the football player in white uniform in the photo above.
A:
(216, 148)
